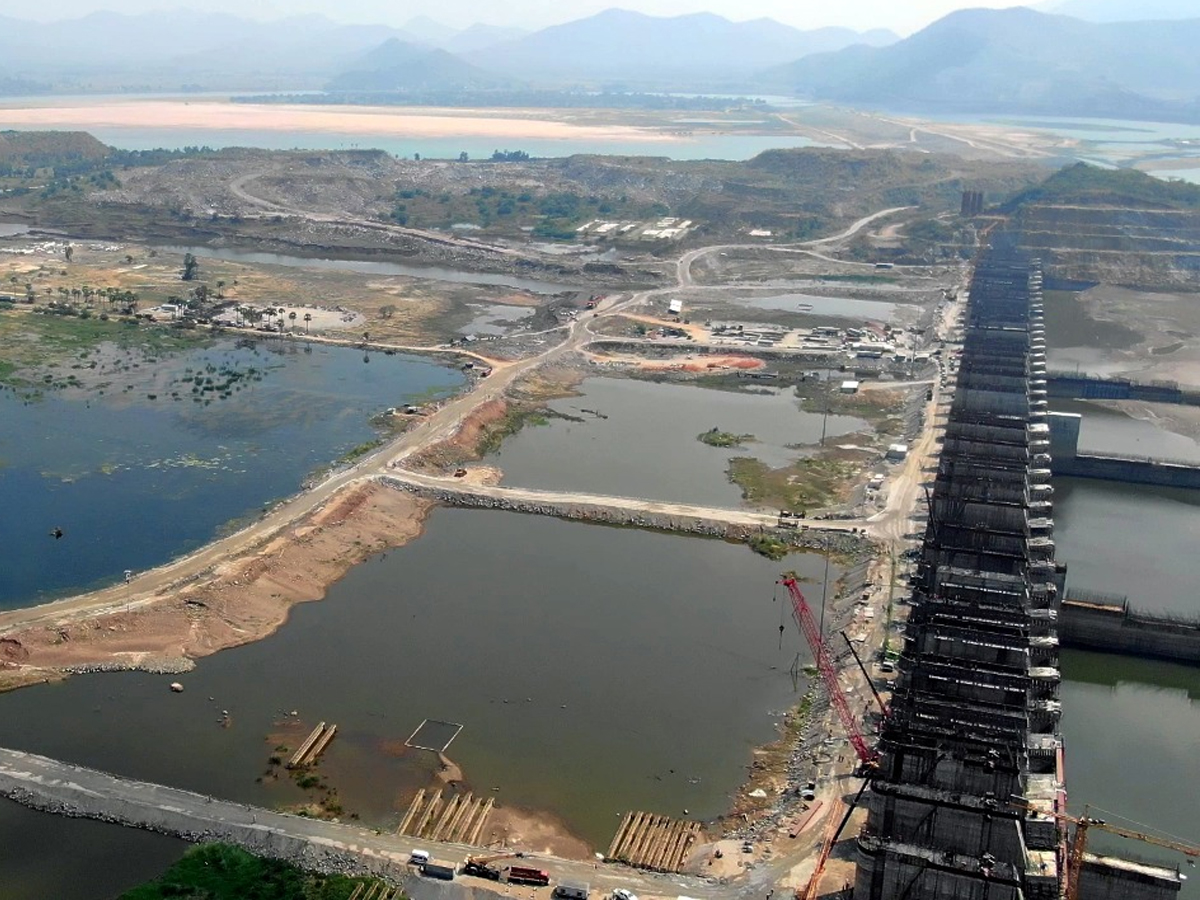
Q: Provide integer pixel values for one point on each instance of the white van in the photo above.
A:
(418, 857)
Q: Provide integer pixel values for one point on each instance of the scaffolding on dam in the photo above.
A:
(965, 801)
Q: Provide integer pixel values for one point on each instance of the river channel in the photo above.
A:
(152, 459)
(595, 670)
(639, 439)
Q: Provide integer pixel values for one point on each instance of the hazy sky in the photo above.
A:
(903, 16)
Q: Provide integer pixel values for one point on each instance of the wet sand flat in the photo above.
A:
(375, 120)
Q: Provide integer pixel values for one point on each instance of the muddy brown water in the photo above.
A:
(646, 443)
(595, 670)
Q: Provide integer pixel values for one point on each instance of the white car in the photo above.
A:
(622, 894)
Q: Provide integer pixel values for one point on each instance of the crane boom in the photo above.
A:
(1077, 847)
(820, 651)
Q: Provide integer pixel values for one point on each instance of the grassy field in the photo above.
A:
(35, 346)
(804, 485)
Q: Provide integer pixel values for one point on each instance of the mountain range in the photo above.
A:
(631, 47)
(1017, 61)
(222, 52)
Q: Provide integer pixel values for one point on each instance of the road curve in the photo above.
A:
(683, 268)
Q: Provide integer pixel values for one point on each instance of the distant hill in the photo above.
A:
(49, 148)
(630, 47)
(399, 65)
(479, 37)
(429, 31)
(1084, 185)
(1015, 60)
(183, 46)
(1122, 10)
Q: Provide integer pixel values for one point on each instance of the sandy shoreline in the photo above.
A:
(363, 120)
(244, 598)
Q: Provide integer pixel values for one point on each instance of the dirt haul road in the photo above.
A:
(683, 268)
(237, 187)
(151, 586)
(440, 426)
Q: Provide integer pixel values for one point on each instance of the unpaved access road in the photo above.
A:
(683, 268)
(237, 187)
(440, 426)
(533, 497)
(47, 784)
(150, 586)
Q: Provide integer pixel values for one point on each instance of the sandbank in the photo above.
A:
(359, 120)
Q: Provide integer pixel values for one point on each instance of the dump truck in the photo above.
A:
(484, 867)
(573, 890)
(438, 869)
(525, 875)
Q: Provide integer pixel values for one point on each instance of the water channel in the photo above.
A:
(646, 445)
(157, 462)
(1131, 726)
(1131, 729)
(1135, 540)
(595, 670)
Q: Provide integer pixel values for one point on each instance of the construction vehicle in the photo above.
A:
(823, 657)
(437, 869)
(1077, 846)
(482, 867)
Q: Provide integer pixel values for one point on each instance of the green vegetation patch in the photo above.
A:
(769, 546)
(33, 342)
(517, 417)
(715, 437)
(1091, 185)
(805, 484)
(224, 872)
(551, 215)
(358, 452)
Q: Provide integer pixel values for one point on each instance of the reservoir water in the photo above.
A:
(646, 446)
(157, 462)
(595, 670)
(1136, 540)
(699, 146)
(1107, 430)
(1132, 728)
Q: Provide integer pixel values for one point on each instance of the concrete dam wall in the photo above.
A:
(1066, 460)
(1116, 628)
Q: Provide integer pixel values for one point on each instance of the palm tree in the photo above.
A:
(307, 320)
(292, 316)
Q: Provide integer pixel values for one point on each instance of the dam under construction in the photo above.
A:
(968, 797)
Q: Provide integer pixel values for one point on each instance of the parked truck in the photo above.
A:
(438, 869)
(486, 867)
(573, 890)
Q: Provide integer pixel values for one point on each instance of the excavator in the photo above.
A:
(482, 867)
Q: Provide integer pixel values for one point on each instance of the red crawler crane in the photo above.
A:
(820, 651)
